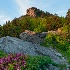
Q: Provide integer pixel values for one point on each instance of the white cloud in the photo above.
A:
(23, 5)
(3, 19)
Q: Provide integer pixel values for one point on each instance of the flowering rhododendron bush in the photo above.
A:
(12, 62)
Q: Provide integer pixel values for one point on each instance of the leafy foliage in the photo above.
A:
(57, 42)
(60, 41)
(24, 62)
(12, 62)
(43, 22)
(37, 62)
(2, 54)
(38, 24)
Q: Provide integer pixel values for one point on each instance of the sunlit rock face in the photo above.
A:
(31, 12)
(34, 12)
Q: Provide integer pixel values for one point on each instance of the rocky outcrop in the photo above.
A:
(14, 45)
(31, 12)
(34, 12)
(33, 37)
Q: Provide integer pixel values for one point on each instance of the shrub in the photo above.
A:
(2, 54)
(56, 41)
(24, 62)
(12, 62)
(37, 62)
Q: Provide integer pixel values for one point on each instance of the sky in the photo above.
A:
(9, 9)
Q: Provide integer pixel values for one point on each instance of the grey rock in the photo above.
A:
(58, 54)
(51, 67)
(14, 45)
(33, 37)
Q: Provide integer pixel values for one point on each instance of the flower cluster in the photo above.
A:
(16, 60)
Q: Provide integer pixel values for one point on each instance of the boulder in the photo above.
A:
(51, 67)
(33, 37)
(14, 45)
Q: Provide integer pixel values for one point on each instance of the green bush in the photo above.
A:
(37, 62)
(2, 54)
(56, 41)
(32, 62)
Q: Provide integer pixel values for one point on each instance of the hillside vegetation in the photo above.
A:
(42, 22)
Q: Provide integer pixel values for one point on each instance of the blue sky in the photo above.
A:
(9, 9)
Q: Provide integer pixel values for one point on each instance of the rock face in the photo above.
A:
(33, 37)
(31, 12)
(34, 12)
(14, 45)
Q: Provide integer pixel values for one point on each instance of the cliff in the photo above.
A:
(34, 12)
